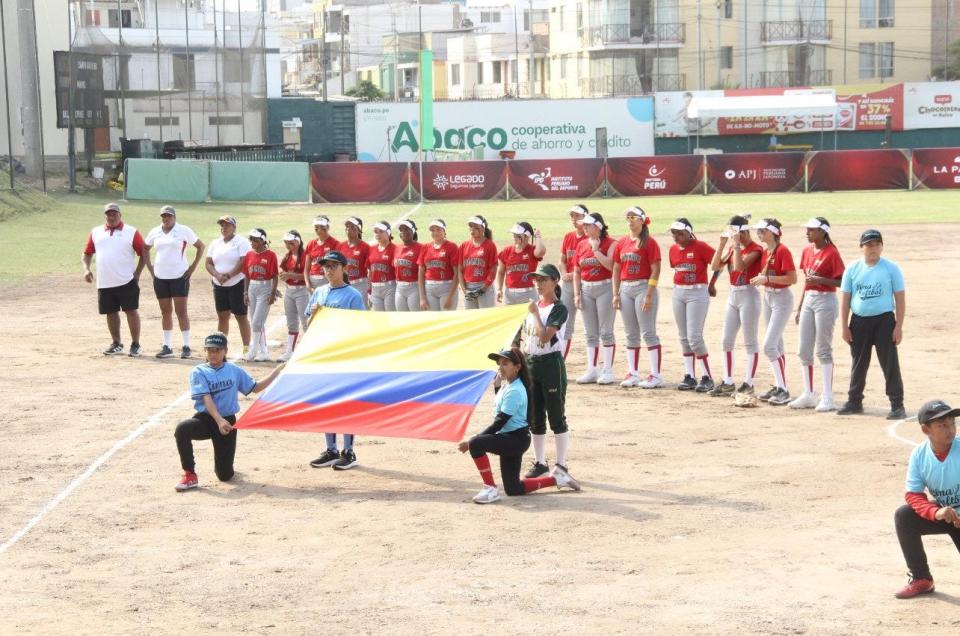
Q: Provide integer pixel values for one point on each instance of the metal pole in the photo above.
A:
(71, 106)
(341, 51)
(699, 48)
(396, 60)
(746, 48)
(243, 117)
(156, 30)
(43, 149)
(186, 27)
(533, 69)
(323, 52)
(123, 102)
(6, 93)
(264, 127)
(29, 121)
(845, 40)
(216, 72)
(719, 48)
(516, 53)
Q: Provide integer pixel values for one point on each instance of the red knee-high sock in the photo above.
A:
(483, 465)
(296, 336)
(782, 361)
(536, 483)
(706, 365)
(566, 349)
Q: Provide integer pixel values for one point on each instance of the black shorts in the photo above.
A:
(171, 287)
(125, 297)
(229, 298)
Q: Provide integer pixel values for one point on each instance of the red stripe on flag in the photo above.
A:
(444, 422)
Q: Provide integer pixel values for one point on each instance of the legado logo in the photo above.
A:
(655, 179)
(459, 181)
(548, 182)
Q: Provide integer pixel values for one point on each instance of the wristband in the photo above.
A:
(652, 282)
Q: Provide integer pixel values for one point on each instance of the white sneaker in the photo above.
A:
(589, 377)
(630, 381)
(286, 356)
(806, 400)
(262, 356)
(563, 479)
(489, 494)
(826, 404)
(606, 377)
(651, 382)
(250, 355)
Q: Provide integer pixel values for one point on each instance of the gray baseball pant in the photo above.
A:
(258, 293)
(690, 306)
(598, 314)
(437, 294)
(485, 300)
(362, 285)
(318, 281)
(519, 295)
(818, 315)
(407, 297)
(636, 322)
(569, 302)
(743, 312)
(294, 306)
(383, 296)
(777, 306)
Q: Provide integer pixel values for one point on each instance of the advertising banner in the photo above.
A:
(755, 172)
(666, 174)
(453, 180)
(555, 178)
(869, 111)
(532, 129)
(358, 182)
(671, 115)
(858, 170)
(931, 105)
(936, 167)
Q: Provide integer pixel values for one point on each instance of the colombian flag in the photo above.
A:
(393, 374)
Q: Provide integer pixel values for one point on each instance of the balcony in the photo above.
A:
(796, 32)
(627, 85)
(649, 36)
(786, 79)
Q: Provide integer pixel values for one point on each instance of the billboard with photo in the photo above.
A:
(931, 105)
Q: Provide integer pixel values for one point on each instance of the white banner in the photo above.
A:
(931, 105)
(533, 129)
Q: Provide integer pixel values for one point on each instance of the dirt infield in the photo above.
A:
(694, 515)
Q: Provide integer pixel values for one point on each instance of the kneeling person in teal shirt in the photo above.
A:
(214, 387)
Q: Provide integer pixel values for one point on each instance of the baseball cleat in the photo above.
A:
(745, 388)
(630, 380)
(536, 470)
(651, 382)
(723, 390)
(113, 349)
(165, 352)
(606, 377)
(489, 494)
(806, 400)
(688, 383)
(915, 587)
(706, 385)
(187, 482)
(564, 479)
(767, 395)
(781, 397)
(589, 377)
(826, 404)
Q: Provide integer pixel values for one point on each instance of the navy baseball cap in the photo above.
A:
(934, 410)
(870, 235)
(509, 354)
(215, 340)
(335, 256)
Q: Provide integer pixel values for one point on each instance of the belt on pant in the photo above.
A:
(812, 292)
(259, 282)
(519, 289)
(295, 285)
(697, 286)
(776, 290)
(406, 283)
(358, 281)
(383, 284)
(595, 283)
(437, 282)
(634, 283)
(741, 287)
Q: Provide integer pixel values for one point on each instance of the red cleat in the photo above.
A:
(188, 482)
(915, 587)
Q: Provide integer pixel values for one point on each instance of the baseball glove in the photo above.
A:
(745, 400)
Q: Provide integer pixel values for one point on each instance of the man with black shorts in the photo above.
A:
(119, 250)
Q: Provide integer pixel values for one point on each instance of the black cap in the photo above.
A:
(215, 340)
(335, 256)
(870, 235)
(509, 354)
(934, 410)
(548, 270)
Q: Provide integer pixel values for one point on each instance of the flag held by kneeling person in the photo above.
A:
(392, 374)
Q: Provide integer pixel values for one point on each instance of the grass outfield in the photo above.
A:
(56, 228)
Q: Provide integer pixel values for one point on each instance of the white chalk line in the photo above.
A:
(149, 423)
(892, 431)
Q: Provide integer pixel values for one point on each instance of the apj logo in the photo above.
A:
(548, 182)
(655, 178)
(730, 174)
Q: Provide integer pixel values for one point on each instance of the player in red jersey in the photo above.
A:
(314, 250)
(517, 264)
(568, 259)
(357, 252)
(439, 270)
(593, 288)
(260, 291)
(690, 258)
(406, 261)
(383, 276)
(478, 265)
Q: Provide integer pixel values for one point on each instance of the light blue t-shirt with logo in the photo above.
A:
(871, 289)
(941, 478)
(222, 384)
(512, 400)
(345, 297)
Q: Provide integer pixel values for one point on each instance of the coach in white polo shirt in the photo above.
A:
(225, 266)
(119, 250)
(171, 275)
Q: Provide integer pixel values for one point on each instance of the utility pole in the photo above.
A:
(719, 48)
(533, 68)
(700, 75)
(156, 29)
(6, 93)
(342, 65)
(71, 105)
(516, 53)
(323, 51)
(186, 26)
(30, 104)
(243, 107)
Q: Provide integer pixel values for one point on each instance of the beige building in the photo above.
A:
(627, 47)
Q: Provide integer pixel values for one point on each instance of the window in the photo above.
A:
(225, 120)
(526, 20)
(726, 57)
(479, 72)
(563, 67)
(728, 9)
(513, 71)
(876, 13)
(579, 17)
(158, 121)
(867, 67)
(497, 76)
(455, 74)
(489, 16)
(184, 71)
(876, 59)
(868, 18)
(885, 14)
(125, 20)
(561, 17)
(885, 59)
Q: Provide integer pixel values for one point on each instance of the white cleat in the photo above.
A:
(250, 356)
(285, 357)
(564, 480)
(826, 404)
(589, 377)
(630, 381)
(805, 401)
(651, 382)
(489, 494)
(606, 377)
(263, 356)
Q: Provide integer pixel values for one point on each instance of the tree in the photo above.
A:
(951, 70)
(366, 92)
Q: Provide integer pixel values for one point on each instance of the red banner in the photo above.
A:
(667, 174)
(755, 172)
(869, 111)
(936, 167)
(555, 178)
(360, 182)
(450, 180)
(858, 170)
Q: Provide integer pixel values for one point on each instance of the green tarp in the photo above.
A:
(259, 181)
(166, 180)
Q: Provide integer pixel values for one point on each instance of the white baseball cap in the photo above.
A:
(321, 221)
(407, 224)
(519, 230)
(168, 209)
(290, 237)
(681, 226)
(476, 220)
(590, 220)
(577, 209)
(437, 223)
(382, 227)
(817, 224)
(352, 220)
(763, 225)
(257, 234)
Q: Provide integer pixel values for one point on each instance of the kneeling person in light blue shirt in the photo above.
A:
(214, 387)
(338, 295)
